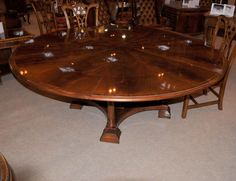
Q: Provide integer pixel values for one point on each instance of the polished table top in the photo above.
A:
(117, 65)
(111, 67)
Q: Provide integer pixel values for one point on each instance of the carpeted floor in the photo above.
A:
(44, 140)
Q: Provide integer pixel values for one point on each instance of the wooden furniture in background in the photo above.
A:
(45, 15)
(7, 45)
(11, 20)
(122, 11)
(77, 14)
(183, 19)
(126, 12)
(225, 49)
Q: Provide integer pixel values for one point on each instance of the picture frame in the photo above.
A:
(217, 9)
(222, 9)
(229, 10)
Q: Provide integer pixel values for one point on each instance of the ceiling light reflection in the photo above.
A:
(123, 36)
(161, 74)
(112, 90)
(23, 72)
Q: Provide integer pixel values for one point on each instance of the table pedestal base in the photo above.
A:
(118, 112)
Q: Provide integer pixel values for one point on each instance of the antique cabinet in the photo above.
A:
(183, 19)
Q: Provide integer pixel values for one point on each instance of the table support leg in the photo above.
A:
(164, 112)
(111, 133)
(76, 106)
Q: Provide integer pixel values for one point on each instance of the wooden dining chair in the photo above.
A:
(6, 173)
(77, 14)
(229, 55)
(45, 15)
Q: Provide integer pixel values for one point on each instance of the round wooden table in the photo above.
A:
(120, 71)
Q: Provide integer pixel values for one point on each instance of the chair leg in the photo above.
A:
(185, 106)
(221, 96)
(205, 91)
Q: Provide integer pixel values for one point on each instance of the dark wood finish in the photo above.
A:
(185, 20)
(119, 71)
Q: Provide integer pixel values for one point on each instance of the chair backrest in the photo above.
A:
(229, 53)
(147, 12)
(227, 27)
(45, 15)
(229, 35)
(228, 64)
(77, 14)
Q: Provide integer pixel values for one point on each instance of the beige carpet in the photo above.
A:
(44, 140)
